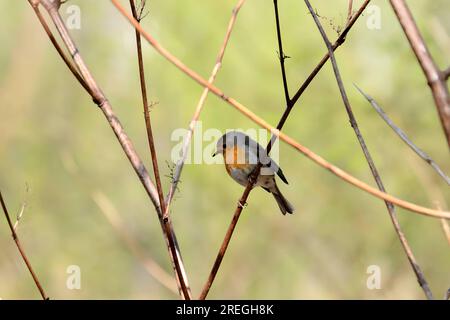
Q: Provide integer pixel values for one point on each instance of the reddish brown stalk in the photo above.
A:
(226, 240)
(281, 56)
(390, 207)
(21, 250)
(436, 78)
(178, 266)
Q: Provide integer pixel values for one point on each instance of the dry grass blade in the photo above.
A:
(153, 268)
(445, 226)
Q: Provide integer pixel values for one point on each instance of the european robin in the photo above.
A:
(242, 155)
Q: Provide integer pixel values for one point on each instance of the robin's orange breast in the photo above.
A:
(236, 158)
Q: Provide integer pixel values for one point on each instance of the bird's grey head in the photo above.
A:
(231, 139)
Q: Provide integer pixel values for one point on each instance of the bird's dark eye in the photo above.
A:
(224, 146)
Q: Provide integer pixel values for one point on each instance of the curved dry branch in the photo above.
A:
(446, 73)
(282, 136)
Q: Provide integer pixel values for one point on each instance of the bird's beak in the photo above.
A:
(215, 153)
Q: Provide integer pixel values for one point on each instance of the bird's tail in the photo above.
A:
(284, 205)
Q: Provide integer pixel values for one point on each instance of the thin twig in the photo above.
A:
(404, 137)
(340, 40)
(152, 267)
(69, 64)
(281, 56)
(445, 225)
(22, 210)
(21, 250)
(390, 207)
(446, 73)
(141, 15)
(179, 167)
(434, 193)
(226, 241)
(99, 98)
(436, 78)
(182, 281)
(282, 136)
(349, 10)
(289, 105)
(446, 228)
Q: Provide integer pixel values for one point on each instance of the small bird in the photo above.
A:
(242, 155)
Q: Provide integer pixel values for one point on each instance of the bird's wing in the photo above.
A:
(258, 153)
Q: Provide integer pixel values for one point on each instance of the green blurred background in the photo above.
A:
(55, 141)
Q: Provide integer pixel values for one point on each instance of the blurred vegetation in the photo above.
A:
(53, 139)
